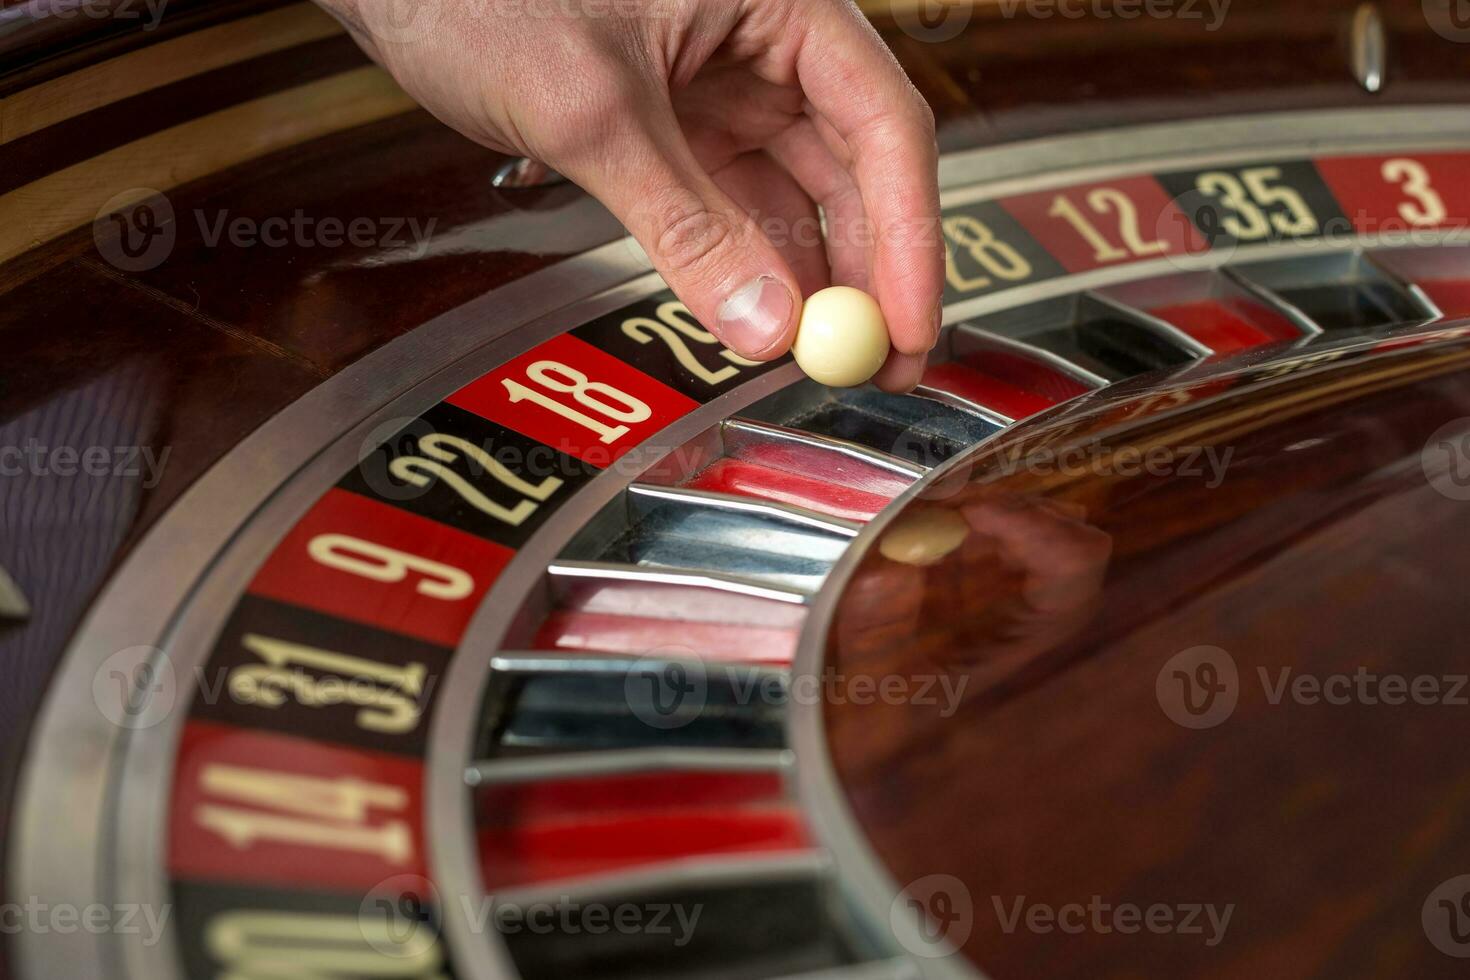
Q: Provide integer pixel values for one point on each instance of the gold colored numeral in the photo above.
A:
(387, 696)
(675, 330)
(383, 564)
(1249, 195)
(1104, 201)
(1412, 177)
(996, 257)
(441, 449)
(311, 946)
(601, 398)
(309, 812)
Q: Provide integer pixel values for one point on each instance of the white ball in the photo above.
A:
(842, 339)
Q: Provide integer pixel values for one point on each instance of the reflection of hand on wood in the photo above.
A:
(1056, 563)
(982, 587)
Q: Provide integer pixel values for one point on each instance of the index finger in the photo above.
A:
(851, 78)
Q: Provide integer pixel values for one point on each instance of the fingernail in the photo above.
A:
(938, 321)
(755, 316)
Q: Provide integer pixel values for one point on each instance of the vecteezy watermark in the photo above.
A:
(931, 21)
(38, 918)
(670, 693)
(35, 458)
(1200, 688)
(135, 688)
(150, 12)
(405, 458)
(137, 230)
(399, 917)
(933, 916)
(1450, 19)
(301, 230)
(1364, 687)
(1208, 463)
(667, 688)
(1445, 459)
(566, 916)
(1211, 13)
(398, 920)
(1446, 917)
(1203, 919)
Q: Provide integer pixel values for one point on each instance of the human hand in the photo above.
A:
(713, 130)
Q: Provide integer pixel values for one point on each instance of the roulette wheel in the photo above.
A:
(399, 583)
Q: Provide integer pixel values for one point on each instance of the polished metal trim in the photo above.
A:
(1007, 299)
(696, 872)
(864, 879)
(1274, 300)
(1076, 372)
(641, 493)
(1413, 290)
(1051, 161)
(964, 404)
(1152, 323)
(624, 762)
(550, 663)
(449, 821)
(524, 172)
(744, 434)
(675, 576)
(1369, 48)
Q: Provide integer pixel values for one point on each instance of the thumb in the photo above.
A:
(709, 250)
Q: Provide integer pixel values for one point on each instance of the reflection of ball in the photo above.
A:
(923, 537)
(842, 339)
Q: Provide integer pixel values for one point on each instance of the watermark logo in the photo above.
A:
(1206, 920)
(1446, 917)
(1445, 459)
(667, 689)
(391, 460)
(1450, 19)
(136, 688)
(931, 21)
(1199, 214)
(37, 459)
(396, 917)
(1211, 13)
(150, 12)
(933, 916)
(37, 918)
(394, 21)
(135, 230)
(1199, 687)
(1209, 464)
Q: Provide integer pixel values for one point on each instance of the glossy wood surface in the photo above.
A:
(1326, 545)
(1019, 70)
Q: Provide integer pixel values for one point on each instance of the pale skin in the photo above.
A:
(714, 130)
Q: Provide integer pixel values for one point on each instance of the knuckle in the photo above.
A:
(689, 234)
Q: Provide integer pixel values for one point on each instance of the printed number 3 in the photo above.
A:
(1412, 178)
